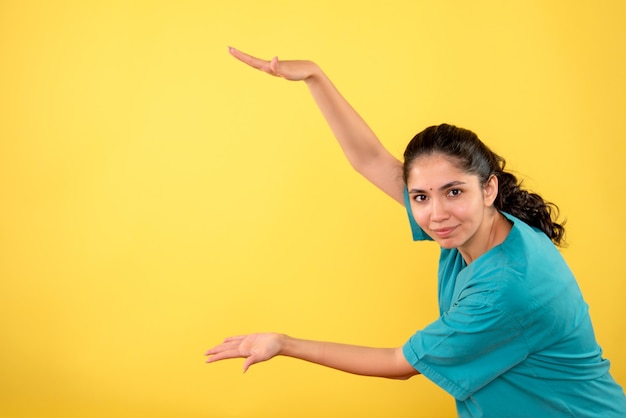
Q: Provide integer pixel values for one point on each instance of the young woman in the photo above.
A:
(514, 337)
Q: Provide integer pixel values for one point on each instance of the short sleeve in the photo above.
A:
(417, 232)
(467, 347)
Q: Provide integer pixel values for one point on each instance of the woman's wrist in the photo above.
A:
(315, 73)
(285, 343)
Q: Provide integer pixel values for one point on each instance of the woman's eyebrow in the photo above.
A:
(442, 188)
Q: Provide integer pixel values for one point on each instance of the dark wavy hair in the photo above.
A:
(476, 158)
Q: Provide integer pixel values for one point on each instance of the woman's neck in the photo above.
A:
(492, 232)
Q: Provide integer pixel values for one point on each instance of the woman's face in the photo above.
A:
(449, 204)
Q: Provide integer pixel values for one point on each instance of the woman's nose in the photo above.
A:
(439, 211)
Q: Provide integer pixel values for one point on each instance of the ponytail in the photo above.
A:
(529, 207)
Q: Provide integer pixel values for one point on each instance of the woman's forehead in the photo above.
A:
(436, 163)
(434, 170)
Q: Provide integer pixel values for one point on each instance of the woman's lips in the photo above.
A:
(444, 232)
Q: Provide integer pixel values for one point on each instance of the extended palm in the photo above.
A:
(254, 348)
(294, 70)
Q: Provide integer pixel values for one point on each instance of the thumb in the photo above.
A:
(249, 362)
(274, 66)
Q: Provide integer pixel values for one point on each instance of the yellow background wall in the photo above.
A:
(157, 196)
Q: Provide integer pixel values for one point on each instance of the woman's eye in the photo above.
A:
(420, 197)
(454, 192)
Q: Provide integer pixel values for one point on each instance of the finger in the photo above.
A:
(234, 338)
(259, 64)
(225, 346)
(224, 355)
(249, 362)
(274, 66)
(248, 59)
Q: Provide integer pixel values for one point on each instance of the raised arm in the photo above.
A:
(359, 143)
(366, 361)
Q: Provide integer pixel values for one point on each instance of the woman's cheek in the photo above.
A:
(421, 217)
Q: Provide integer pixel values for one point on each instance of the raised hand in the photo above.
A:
(294, 70)
(255, 348)
(362, 148)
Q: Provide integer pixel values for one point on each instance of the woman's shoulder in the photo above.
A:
(526, 266)
(525, 242)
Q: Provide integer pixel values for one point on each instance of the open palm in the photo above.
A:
(255, 348)
(294, 70)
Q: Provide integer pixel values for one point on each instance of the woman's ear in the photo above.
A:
(490, 190)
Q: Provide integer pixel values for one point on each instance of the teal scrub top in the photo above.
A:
(514, 337)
